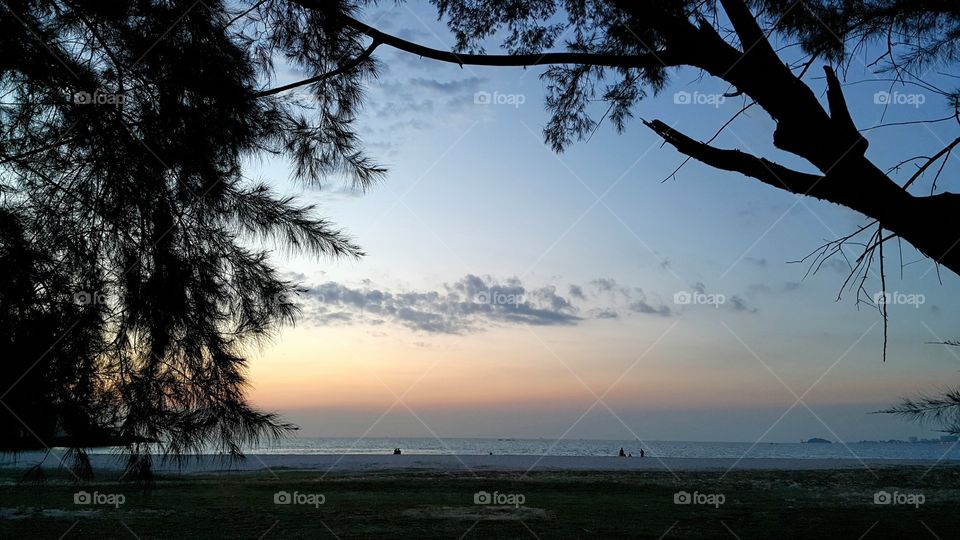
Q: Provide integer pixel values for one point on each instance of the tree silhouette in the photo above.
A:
(133, 294)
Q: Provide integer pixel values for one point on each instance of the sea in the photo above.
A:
(935, 451)
(594, 447)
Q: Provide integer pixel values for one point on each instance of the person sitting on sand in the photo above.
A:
(622, 453)
(396, 451)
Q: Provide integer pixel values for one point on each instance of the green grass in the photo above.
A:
(760, 504)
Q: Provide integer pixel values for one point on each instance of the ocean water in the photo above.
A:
(589, 447)
(940, 451)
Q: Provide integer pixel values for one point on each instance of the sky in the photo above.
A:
(510, 291)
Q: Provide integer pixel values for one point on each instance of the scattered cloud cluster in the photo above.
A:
(466, 305)
(475, 303)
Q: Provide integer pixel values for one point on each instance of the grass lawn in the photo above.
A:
(756, 504)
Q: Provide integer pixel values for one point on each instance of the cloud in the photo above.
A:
(630, 300)
(739, 304)
(474, 303)
(467, 305)
(757, 289)
(451, 88)
(604, 284)
(402, 106)
(641, 306)
(576, 291)
(604, 313)
(698, 296)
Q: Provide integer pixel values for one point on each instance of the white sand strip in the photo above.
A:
(410, 462)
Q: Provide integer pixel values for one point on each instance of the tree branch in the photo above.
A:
(345, 68)
(657, 59)
(762, 169)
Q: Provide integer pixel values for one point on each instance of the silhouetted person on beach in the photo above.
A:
(396, 452)
(641, 452)
(622, 453)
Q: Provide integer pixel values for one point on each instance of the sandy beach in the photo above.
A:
(353, 463)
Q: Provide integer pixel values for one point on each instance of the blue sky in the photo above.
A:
(473, 193)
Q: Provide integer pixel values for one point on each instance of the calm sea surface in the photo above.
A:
(947, 451)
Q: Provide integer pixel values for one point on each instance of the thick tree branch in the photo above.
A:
(762, 169)
(840, 114)
(931, 224)
(658, 59)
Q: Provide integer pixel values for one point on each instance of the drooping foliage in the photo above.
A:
(135, 251)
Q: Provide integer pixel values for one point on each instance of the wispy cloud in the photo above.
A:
(467, 305)
(474, 304)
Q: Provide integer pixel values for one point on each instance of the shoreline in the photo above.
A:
(354, 463)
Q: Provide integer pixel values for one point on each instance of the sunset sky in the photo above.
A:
(589, 251)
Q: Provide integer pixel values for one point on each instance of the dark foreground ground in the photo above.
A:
(755, 504)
